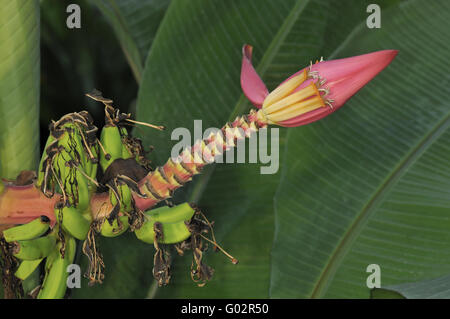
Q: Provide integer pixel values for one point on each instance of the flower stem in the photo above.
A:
(22, 204)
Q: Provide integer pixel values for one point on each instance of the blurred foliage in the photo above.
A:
(436, 288)
(19, 87)
(74, 61)
(135, 23)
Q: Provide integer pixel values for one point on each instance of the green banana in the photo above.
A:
(73, 222)
(61, 169)
(92, 173)
(90, 165)
(26, 268)
(55, 281)
(51, 258)
(173, 224)
(33, 229)
(35, 248)
(87, 156)
(72, 143)
(76, 187)
(125, 197)
(126, 153)
(71, 163)
(114, 230)
(41, 171)
(112, 142)
(82, 170)
(83, 190)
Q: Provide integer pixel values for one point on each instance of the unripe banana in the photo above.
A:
(70, 163)
(87, 166)
(76, 188)
(112, 142)
(34, 248)
(125, 196)
(93, 174)
(70, 138)
(26, 268)
(41, 171)
(73, 222)
(83, 190)
(114, 230)
(72, 143)
(51, 258)
(86, 160)
(60, 164)
(91, 165)
(33, 229)
(126, 153)
(173, 224)
(76, 145)
(55, 281)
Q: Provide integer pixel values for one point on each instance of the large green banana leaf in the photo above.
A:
(371, 184)
(135, 23)
(19, 86)
(367, 185)
(437, 288)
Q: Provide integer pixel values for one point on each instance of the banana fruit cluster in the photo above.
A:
(32, 243)
(69, 168)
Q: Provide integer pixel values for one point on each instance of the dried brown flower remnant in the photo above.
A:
(161, 260)
(95, 272)
(12, 286)
(161, 268)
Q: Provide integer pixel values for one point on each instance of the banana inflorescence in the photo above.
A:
(69, 169)
(30, 244)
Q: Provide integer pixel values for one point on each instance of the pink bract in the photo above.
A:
(343, 78)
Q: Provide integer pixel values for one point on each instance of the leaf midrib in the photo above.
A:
(136, 66)
(362, 218)
(334, 260)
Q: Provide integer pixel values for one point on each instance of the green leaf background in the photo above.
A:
(436, 288)
(19, 87)
(367, 185)
(135, 23)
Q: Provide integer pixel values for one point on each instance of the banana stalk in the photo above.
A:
(159, 184)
